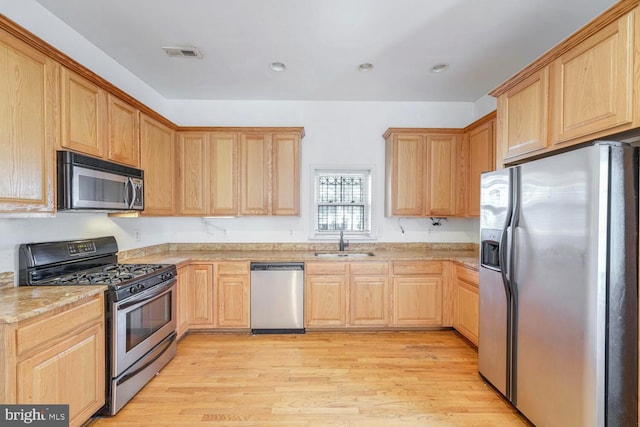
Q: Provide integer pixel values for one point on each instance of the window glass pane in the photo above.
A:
(342, 201)
(340, 217)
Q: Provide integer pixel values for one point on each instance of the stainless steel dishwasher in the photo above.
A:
(277, 297)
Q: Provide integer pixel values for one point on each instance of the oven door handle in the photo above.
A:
(145, 296)
(159, 351)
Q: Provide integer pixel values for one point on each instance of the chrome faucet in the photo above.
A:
(342, 244)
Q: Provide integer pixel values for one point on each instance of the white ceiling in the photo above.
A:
(322, 42)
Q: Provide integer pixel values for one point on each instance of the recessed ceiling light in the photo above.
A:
(365, 67)
(438, 68)
(277, 66)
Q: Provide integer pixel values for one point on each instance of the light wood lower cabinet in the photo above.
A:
(57, 358)
(325, 300)
(466, 303)
(369, 294)
(182, 283)
(232, 288)
(417, 293)
(217, 295)
(200, 293)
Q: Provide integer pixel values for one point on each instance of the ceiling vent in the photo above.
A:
(182, 51)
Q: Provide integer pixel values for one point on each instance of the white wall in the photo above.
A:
(484, 106)
(345, 134)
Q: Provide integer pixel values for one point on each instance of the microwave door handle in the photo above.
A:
(129, 193)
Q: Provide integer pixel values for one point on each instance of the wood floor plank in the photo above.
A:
(401, 379)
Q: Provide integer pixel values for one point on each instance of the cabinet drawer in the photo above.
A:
(467, 275)
(233, 268)
(417, 267)
(334, 268)
(370, 268)
(48, 328)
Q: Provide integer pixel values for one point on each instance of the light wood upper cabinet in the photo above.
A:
(405, 160)
(285, 190)
(84, 115)
(583, 89)
(270, 173)
(592, 84)
(158, 160)
(223, 183)
(442, 174)
(97, 123)
(481, 147)
(193, 173)
(255, 176)
(523, 116)
(207, 173)
(29, 91)
(123, 143)
(423, 172)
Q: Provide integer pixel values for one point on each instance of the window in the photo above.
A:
(342, 202)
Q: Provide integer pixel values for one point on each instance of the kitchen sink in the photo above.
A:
(343, 254)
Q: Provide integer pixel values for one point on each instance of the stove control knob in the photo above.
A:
(140, 287)
(132, 290)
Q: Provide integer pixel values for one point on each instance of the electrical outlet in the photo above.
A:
(136, 235)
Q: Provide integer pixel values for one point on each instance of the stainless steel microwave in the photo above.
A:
(86, 183)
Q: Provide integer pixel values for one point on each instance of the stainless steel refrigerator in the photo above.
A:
(558, 331)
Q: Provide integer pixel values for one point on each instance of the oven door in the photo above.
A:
(94, 189)
(141, 322)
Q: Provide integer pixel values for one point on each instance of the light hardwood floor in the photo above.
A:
(320, 379)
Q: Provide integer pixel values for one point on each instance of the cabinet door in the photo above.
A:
(182, 283)
(481, 159)
(523, 114)
(442, 174)
(369, 301)
(466, 310)
(417, 301)
(123, 140)
(233, 301)
(593, 83)
(325, 301)
(70, 372)
(466, 302)
(405, 171)
(223, 193)
(193, 173)
(254, 174)
(28, 128)
(201, 296)
(84, 107)
(285, 195)
(158, 160)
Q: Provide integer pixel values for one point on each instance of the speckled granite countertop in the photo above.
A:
(24, 302)
(20, 303)
(181, 255)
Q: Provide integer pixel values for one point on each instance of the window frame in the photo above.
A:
(369, 204)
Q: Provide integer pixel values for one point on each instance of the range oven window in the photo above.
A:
(145, 320)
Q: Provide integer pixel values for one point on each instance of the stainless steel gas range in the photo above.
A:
(140, 306)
